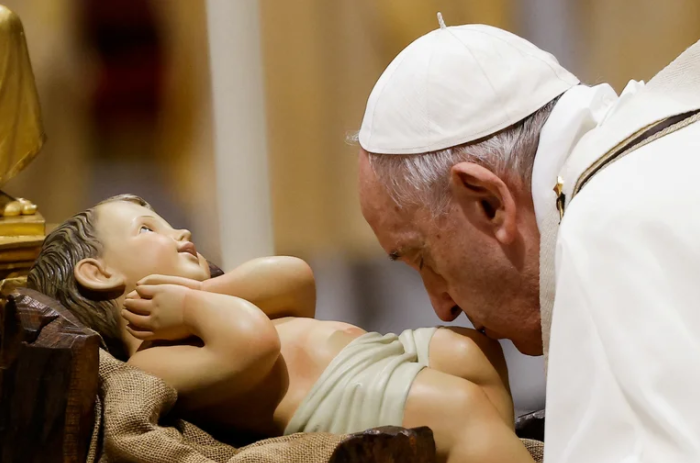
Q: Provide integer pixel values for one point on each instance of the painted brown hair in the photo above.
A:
(53, 274)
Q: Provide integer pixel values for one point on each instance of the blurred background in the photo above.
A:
(231, 115)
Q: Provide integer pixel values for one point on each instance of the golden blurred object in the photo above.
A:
(561, 197)
(21, 238)
(21, 129)
(22, 228)
(12, 209)
(28, 207)
(16, 223)
(17, 253)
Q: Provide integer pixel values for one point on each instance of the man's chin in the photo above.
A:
(531, 348)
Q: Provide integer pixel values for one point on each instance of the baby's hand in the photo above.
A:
(157, 312)
(169, 280)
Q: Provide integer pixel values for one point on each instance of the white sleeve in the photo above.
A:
(624, 365)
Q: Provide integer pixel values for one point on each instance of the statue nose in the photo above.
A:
(184, 235)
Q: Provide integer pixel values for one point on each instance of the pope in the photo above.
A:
(559, 215)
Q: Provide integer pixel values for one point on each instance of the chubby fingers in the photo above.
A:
(147, 291)
(144, 335)
(156, 280)
(137, 320)
(138, 306)
(139, 325)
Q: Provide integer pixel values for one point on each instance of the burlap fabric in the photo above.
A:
(536, 449)
(132, 426)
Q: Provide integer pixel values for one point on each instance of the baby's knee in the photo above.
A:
(464, 349)
(467, 354)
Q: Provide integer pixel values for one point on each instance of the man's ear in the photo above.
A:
(93, 275)
(485, 200)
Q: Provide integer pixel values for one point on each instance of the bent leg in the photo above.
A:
(468, 354)
(466, 426)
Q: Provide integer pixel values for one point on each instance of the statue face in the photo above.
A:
(137, 242)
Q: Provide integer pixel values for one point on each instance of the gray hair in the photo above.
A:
(424, 179)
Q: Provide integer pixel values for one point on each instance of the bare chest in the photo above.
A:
(308, 346)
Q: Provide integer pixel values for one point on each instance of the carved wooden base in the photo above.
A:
(531, 426)
(48, 382)
(387, 445)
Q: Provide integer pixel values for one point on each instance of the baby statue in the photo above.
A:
(244, 352)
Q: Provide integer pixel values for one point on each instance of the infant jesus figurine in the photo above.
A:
(244, 351)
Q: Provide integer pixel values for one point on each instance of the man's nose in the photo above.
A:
(444, 306)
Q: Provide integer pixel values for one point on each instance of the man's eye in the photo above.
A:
(145, 229)
(420, 264)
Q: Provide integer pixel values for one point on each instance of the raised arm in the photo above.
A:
(239, 344)
(281, 286)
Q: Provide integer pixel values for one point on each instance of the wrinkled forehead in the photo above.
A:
(395, 227)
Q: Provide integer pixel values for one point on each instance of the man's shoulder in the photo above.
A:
(653, 185)
(672, 92)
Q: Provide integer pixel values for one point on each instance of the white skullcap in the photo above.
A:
(455, 85)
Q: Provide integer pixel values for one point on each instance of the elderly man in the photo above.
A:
(519, 193)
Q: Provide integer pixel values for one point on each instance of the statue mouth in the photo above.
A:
(188, 248)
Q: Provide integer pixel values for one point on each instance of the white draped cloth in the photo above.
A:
(623, 381)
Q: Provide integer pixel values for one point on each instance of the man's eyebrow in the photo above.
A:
(394, 255)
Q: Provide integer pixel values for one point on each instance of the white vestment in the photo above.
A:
(621, 275)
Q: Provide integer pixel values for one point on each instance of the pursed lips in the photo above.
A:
(490, 334)
(188, 248)
(486, 332)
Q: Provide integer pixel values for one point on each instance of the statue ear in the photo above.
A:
(94, 276)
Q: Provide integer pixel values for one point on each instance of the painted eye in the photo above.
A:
(145, 229)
